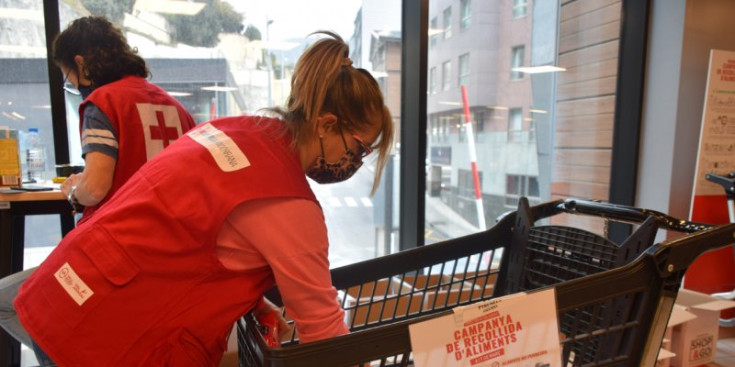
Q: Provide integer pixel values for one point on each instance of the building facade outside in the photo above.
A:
(477, 45)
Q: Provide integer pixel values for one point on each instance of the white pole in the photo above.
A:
(473, 160)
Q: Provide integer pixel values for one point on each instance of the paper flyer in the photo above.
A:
(517, 330)
(717, 135)
(712, 271)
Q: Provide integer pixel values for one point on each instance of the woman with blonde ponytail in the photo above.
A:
(190, 243)
(325, 85)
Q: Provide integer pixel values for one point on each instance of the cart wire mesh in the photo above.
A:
(606, 325)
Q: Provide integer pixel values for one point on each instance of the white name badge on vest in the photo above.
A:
(517, 330)
(223, 149)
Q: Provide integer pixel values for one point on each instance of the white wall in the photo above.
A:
(681, 35)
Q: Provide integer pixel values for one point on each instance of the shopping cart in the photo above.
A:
(607, 317)
(728, 184)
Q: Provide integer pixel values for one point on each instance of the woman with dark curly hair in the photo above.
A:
(124, 121)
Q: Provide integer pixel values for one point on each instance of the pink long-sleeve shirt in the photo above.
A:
(290, 237)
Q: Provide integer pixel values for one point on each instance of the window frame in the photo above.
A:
(523, 185)
(466, 183)
(52, 27)
(446, 81)
(463, 69)
(520, 4)
(514, 51)
(465, 14)
(447, 22)
(515, 124)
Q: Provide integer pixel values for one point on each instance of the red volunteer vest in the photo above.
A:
(146, 119)
(139, 283)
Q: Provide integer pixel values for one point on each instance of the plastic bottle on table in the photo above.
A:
(22, 155)
(35, 156)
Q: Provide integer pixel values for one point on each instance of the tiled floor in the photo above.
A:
(725, 353)
(725, 349)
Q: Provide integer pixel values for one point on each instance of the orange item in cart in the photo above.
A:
(269, 328)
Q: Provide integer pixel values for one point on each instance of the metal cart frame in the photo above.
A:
(613, 300)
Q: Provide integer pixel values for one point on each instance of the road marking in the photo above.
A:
(336, 202)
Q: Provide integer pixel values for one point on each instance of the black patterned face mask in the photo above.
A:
(324, 172)
(85, 91)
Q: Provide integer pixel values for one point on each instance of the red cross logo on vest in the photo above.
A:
(163, 132)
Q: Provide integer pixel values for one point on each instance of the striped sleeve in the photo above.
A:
(98, 135)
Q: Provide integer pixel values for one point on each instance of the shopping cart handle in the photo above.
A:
(630, 214)
(727, 182)
(676, 255)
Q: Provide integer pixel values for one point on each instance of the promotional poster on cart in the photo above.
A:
(517, 330)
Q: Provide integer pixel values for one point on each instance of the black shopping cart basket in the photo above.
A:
(613, 300)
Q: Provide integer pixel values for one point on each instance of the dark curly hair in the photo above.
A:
(107, 55)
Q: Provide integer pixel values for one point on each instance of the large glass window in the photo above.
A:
(536, 121)
(241, 66)
(25, 104)
(218, 58)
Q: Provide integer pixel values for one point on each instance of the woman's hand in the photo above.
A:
(70, 182)
(266, 307)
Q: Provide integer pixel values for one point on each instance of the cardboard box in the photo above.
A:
(694, 341)
(679, 315)
(442, 290)
(664, 358)
(400, 296)
(385, 300)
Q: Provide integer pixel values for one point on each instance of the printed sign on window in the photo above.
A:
(517, 330)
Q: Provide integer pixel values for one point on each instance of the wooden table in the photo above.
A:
(13, 209)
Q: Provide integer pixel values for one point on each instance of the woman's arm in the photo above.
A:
(93, 184)
(100, 150)
(290, 237)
